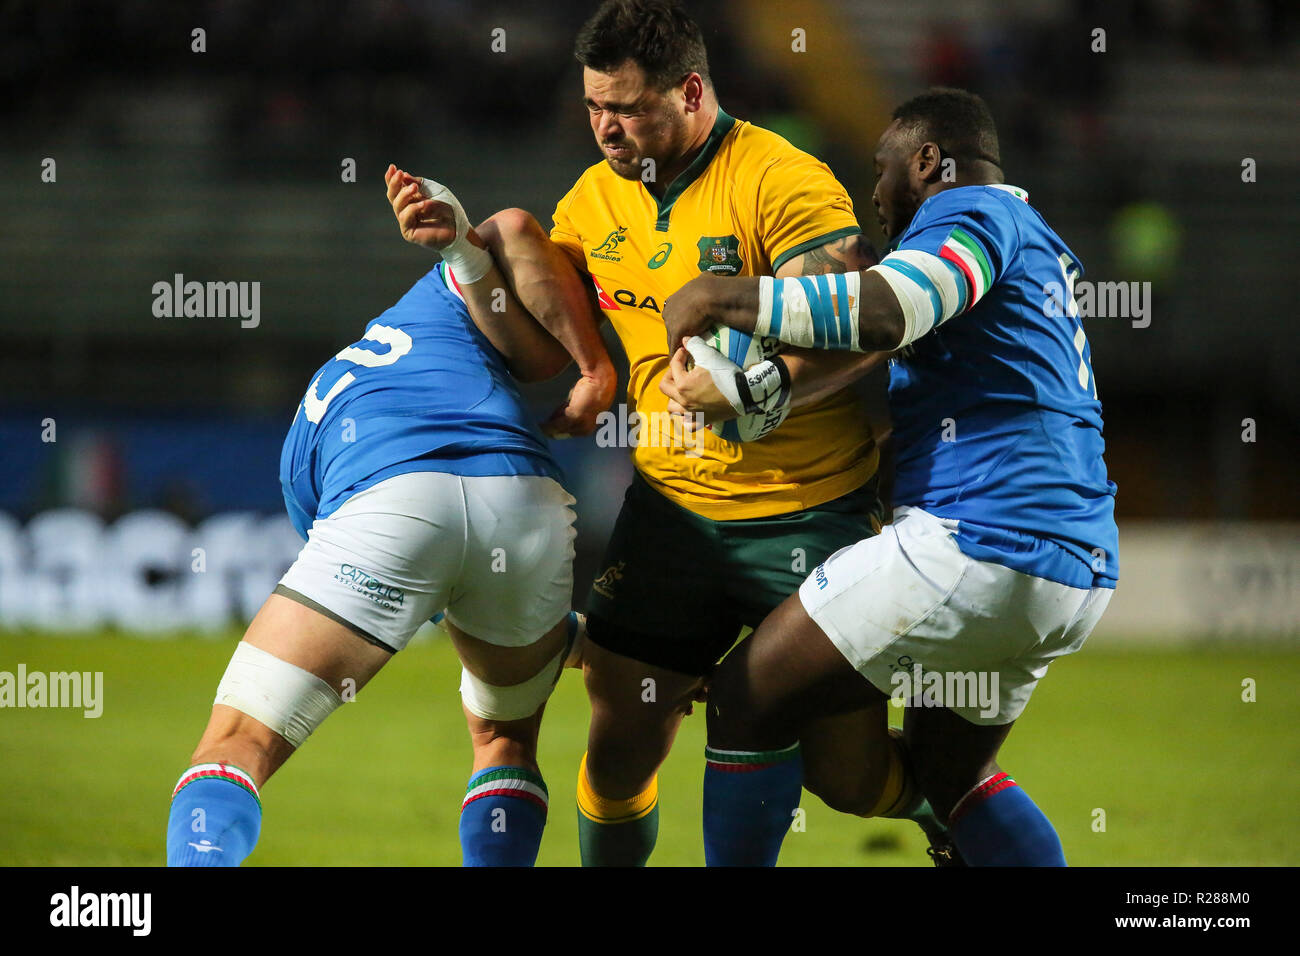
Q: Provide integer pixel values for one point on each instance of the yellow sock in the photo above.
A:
(616, 832)
(604, 810)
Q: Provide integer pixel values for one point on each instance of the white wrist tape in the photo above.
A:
(760, 394)
(722, 369)
(467, 261)
(765, 386)
(769, 386)
(818, 312)
(290, 700)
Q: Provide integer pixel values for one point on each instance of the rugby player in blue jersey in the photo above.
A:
(415, 474)
(1003, 551)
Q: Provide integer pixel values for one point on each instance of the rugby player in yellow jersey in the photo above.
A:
(685, 189)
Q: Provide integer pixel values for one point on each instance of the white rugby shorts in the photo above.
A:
(910, 598)
(496, 552)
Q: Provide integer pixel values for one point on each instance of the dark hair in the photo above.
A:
(957, 121)
(656, 35)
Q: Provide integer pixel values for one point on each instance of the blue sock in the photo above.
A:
(996, 824)
(502, 818)
(749, 802)
(215, 817)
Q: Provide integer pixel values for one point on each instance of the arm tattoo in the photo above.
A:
(842, 255)
(824, 259)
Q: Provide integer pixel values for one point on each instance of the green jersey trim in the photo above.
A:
(685, 179)
(803, 247)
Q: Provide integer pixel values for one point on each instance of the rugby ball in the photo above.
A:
(745, 350)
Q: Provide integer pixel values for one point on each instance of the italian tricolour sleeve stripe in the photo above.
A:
(943, 282)
(450, 281)
(967, 255)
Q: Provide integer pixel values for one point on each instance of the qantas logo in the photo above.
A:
(623, 297)
(602, 297)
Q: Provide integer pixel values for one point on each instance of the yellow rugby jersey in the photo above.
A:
(746, 204)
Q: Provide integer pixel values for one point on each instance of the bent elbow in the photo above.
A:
(881, 330)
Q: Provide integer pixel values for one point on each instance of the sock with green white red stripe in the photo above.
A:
(996, 824)
(749, 801)
(216, 815)
(502, 818)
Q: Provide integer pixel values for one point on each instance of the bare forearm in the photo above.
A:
(709, 300)
(549, 287)
(531, 354)
(816, 374)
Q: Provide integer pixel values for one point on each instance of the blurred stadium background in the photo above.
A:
(127, 440)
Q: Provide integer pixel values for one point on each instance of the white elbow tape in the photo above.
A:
(467, 261)
(819, 312)
(928, 289)
(515, 702)
(291, 701)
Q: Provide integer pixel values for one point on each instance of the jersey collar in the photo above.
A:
(721, 127)
(1021, 194)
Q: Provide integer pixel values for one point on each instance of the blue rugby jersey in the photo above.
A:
(995, 411)
(423, 390)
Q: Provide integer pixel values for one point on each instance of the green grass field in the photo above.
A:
(1186, 772)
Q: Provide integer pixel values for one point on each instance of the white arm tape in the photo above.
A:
(291, 701)
(818, 312)
(467, 261)
(928, 290)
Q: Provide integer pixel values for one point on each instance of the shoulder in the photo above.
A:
(749, 140)
(596, 176)
(756, 151)
(597, 179)
(969, 200)
(781, 182)
(986, 208)
(433, 296)
(756, 142)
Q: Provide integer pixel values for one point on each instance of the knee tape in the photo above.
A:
(291, 701)
(516, 701)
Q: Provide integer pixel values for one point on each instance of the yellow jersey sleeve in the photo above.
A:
(800, 205)
(564, 233)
